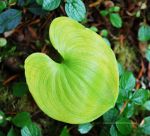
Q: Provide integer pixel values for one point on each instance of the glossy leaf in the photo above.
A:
(3, 5)
(9, 19)
(124, 126)
(127, 81)
(84, 85)
(144, 33)
(65, 132)
(140, 96)
(50, 4)
(129, 110)
(110, 116)
(31, 130)
(11, 132)
(147, 105)
(85, 128)
(146, 126)
(75, 9)
(22, 119)
(115, 20)
(113, 131)
(121, 69)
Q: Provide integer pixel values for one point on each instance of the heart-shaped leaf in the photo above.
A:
(84, 85)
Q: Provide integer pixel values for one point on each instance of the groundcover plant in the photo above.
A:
(83, 84)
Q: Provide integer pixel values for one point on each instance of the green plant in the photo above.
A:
(20, 122)
(83, 85)
(114, 16)
(144, 33)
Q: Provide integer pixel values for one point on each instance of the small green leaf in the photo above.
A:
(120, 68)
(9, 20)
(20, 89)
(50, 4)
(2, 118)
(40, 2)
(114, 9)
(146, 126)
(140, 96)
(124, 126)
(127, 83)
(75, 9)
(22, 119)
(110, 116)
(11, 132)
(147, 53)
(144, 33)
(104, 33)
(3, 42)
(113, 131)
(138, 13)
(2, 5)
(85, 128)
(104, 12)
(147, 105)
(31, 130)
(115, 20)
(93, 28)
(64, 132)
(129, 110)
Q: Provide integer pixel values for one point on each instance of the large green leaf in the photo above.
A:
(84, 85)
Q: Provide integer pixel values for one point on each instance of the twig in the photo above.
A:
(140, 75)
(98, 2)
(10, 79)
(44, 49)
(124, 106)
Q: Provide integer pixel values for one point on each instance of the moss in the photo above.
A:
(127, 55)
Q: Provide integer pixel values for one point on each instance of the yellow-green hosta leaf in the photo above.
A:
(84, 85)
